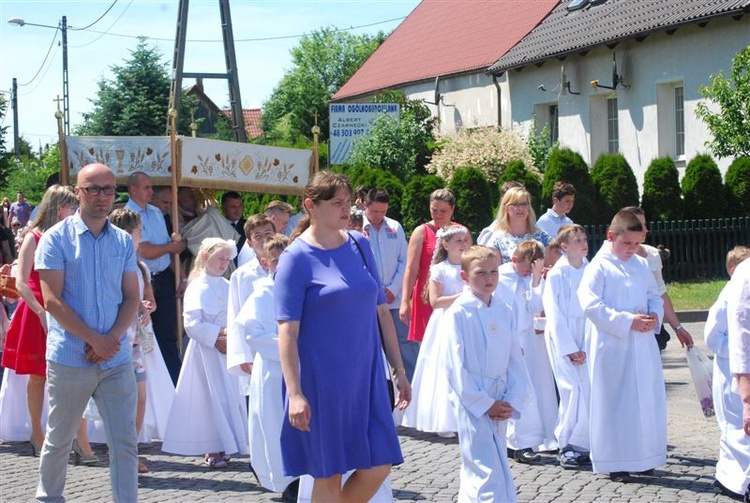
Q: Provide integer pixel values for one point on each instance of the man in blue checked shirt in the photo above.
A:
(87, 269)
(388, 243)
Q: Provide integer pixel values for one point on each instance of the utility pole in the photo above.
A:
(14, 104)
(178, 62)
(66, 96)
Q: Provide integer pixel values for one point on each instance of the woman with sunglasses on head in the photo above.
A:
(26, 342)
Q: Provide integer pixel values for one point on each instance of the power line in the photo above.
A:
(44, 75)
(54, 37)
(261, 39)
(99, 19)
(106, 32)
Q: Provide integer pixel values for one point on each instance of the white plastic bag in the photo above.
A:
(701, 370)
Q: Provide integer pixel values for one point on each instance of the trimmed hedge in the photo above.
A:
(381, 179)
(472, 191)
(738, 187)
(568, 166)
(703, 190)
(415, 209)
(516, 171)
(614, 184)
(661, 190)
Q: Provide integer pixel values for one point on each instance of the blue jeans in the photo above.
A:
(409, 349)
(115, 393)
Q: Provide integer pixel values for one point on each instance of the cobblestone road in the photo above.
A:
(430, 471)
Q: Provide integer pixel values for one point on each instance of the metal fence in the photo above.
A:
(698, 248)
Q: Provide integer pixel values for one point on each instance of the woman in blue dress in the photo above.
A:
(328, 303)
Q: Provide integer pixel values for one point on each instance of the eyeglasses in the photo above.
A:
(518, 205)
(94, 190)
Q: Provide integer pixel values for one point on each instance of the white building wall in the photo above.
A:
(651, 68)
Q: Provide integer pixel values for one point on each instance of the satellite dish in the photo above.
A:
(577, 4)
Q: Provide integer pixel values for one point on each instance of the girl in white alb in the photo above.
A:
(431, 409)
(208, 413)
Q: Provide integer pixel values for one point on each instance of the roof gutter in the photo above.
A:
(499, 97)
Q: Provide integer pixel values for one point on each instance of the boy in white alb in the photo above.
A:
(564, 333)
(520, 286)
(266, 404)
(628, 412)
(258, 228)
(488, 376)
(733, 467)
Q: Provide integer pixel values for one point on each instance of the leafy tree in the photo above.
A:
(729, 126)
(702, 189)
(321, 63)
(661, 191)
(516, 171)
(738, 187)
(402, 146)
(614, 184)
(136, 101)
(568, 166)
(470, 187)
(415, 202)
(30, 175)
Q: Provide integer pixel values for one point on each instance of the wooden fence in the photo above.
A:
(698, 247)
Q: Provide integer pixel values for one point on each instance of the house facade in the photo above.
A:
(661, 53)
(440, 53)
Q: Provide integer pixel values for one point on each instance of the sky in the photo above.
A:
(264, 33)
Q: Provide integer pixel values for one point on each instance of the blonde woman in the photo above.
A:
(26, 343)
(515, 223)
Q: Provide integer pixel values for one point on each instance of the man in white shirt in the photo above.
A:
(388, 243)
(563, 198)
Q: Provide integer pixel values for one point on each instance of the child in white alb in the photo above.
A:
(488, 377)
(733, 467)
(566, 346)
(430, 409)
(521, 285)
(208, 413)
(618, 294)
(266, 403)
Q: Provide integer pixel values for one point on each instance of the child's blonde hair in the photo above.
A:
(625, 221)
(209, 246)
(476, 252)
(528, 251)
(736, 255)
(566, 233)
(277, 242)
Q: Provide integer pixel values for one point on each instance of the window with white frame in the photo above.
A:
(613, 128)
(679, 122)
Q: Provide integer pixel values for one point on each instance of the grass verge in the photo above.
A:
(694, 296)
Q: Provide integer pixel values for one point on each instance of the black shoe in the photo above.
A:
(731, 494)
(647, 473)
(569, 460)
(290, 493)
(584, 459)
(619, 477)
(526, 456)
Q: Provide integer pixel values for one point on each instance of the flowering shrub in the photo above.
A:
(487, 149)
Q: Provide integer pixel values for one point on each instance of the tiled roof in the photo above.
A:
(252, 121)
(564, 32)
(446, 37)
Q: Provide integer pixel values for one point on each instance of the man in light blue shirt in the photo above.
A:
(87, 269)
(563, 198)
(156, 251)
(388, 243)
